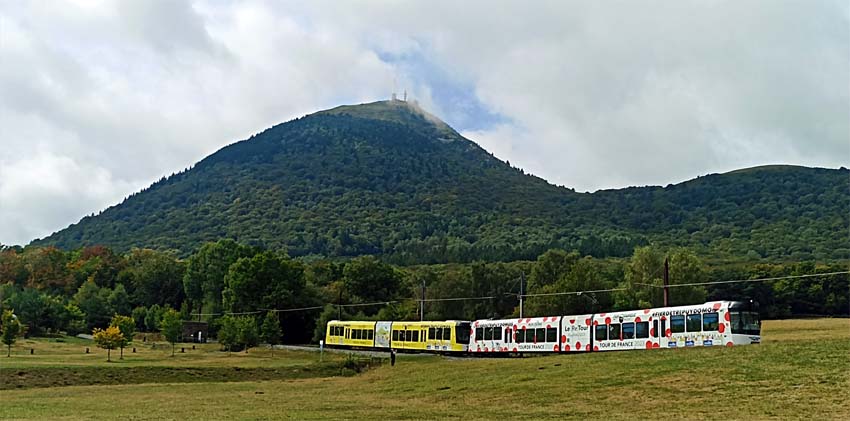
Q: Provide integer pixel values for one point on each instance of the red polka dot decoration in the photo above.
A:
(563, 338)
(587, 321)
(716, 306)
(721, 327)
(668, 333)
(637, 319)
(596, 348)
(729, 344)
(726, 316)
(566, 347)
(607, 320)
(587, 348)
(572, 321)
(556, 348)
(648, 344)
(578, 345)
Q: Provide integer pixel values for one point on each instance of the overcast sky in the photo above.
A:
(100, 98)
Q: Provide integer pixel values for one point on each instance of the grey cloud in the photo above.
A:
(594, 95)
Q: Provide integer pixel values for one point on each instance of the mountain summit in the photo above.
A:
(387, 178)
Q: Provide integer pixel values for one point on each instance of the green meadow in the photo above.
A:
(801, 370)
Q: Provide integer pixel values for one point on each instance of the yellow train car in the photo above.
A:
(449, 336)
(350, 333)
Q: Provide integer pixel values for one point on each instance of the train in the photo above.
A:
(714, 323)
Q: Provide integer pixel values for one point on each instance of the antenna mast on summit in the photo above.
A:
(393, 96)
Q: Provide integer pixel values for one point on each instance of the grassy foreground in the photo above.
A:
(801, 370)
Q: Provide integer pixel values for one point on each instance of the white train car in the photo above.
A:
(715, 323)
(535, 334)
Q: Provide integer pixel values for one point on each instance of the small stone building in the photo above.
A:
(195, 331)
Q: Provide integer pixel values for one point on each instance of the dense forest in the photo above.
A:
(54, 291)
(389, 180)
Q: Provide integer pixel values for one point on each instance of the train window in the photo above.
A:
(694, 322)
(614, 331)
(415, 336)
(355, 334)
(628, 330)
(745, 322)
(497, 334)
(677, 324)
(655, 328)
(479, 333)
(709, 321)
(461, 333)
(551, 334)
(431, 334)
(395, 335)
(439, 334)
(520, 336)
(601, 332)
(347, 333)
(488, 333)
(408, 336)
(371, 335)
(541, 334)
(447, 334)
(642, 330)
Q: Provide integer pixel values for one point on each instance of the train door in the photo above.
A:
(382, 334)
(661, 331)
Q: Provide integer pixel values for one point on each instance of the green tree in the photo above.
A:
(75, 319)
(108, 339)
(127, 326)
(119, 300)
(171, 327)
(270, 331)
(248, 335)
(153, 317)
(139, 314)
(228, 332)
(10, 330)
(204, 280)
(367, 279)
(550, 267)
(94, 302)
(156, 277)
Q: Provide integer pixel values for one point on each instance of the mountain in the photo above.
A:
(387, 178)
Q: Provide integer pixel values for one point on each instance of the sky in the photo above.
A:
(100, 98)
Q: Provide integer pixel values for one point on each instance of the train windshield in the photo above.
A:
(462, 333)
(745, 322)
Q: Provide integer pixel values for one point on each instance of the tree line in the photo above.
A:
(49, 290)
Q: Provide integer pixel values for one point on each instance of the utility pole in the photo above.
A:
(422, 303)
(339, 306)
(666, 283)
(521, 285)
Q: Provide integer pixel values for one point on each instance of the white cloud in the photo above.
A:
(593, 95)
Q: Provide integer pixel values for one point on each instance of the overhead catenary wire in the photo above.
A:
(777, 278)
(490, 297)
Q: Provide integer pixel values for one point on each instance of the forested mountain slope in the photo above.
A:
(388, 179)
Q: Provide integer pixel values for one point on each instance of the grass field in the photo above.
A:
(802, 370)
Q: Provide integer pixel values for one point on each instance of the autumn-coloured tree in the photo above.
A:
(127, 326)
(108, 339)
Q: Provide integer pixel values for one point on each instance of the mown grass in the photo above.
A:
(802, 370)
